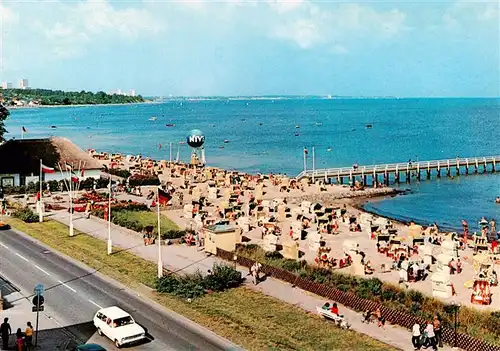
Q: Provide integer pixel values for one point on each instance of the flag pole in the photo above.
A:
(160, 263)
(305, 162)
(71, 229)
(110, 245)
(40, 202)
(170, 150)
(313, 165)
(22, 132)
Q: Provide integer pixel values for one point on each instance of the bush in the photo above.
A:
(195, 285)
(26, 215)
(174, 234)
(118, 172)
(139, 179)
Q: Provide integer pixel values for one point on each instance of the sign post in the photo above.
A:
(38, 301)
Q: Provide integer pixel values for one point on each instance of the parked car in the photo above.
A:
(90, 347)
(118, 325)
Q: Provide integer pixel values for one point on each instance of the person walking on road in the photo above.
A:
(29, 336)
(429, 330)
(6, 331)
(255, 270)
(437, 331)
(415, 336)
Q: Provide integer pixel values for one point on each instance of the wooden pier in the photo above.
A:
(383, 173)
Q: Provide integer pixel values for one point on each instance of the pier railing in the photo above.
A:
(405, 167)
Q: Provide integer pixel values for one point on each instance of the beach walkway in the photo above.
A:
(183, 259)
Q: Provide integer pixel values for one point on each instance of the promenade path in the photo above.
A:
(183, 259)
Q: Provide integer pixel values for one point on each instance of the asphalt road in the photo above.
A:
(75, 292)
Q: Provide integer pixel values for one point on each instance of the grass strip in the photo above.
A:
(246, 317)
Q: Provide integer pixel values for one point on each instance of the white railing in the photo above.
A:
(404, 166)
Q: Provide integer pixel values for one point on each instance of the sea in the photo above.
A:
(269, 135)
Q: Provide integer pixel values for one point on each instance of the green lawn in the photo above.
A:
(145, 218)
(246, 317)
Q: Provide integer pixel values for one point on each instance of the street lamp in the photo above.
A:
(456, 307)
(235, 259)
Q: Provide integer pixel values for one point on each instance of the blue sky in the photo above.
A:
(369, 48)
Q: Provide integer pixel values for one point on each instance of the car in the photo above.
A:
(118, 326)
(89, 347)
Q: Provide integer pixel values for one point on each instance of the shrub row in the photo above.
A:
(118, 172)
(140, 179)
(195, 285)
(26, 214)
(54, 185)
(481, 324)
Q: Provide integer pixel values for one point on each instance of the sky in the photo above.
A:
(159, 47)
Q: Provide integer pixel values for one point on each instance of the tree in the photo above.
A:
(4, 114)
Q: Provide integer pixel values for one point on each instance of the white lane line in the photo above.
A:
(41, 269)
(24, 258)
(69, 287)
(5, 246)
(93, 303)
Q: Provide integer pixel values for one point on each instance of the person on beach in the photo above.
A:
(493, 226)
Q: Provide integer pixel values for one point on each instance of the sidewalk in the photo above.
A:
(180, 258)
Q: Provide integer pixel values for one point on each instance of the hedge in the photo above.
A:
(54, 186)
(26, 214)
(119, 172)
(139, 179)
(480, 324)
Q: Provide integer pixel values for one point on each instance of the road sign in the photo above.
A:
(38, 300)
(39, 289)
(37, 309)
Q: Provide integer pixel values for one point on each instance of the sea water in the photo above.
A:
(270, 135)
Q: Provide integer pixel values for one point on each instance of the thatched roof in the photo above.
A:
(23, 156)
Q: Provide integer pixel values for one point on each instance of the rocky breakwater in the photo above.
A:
(348, 194)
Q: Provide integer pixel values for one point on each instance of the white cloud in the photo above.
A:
(462, 14)
(344, 22)
(65, 29)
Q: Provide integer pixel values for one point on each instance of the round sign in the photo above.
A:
(195, 138)
(38, 300)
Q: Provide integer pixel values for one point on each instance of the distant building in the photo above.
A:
(132, 92)
(119, 92)
(23, 84)
(6, 85)
(20, 161)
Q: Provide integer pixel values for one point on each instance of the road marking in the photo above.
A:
(24, 258)
(44, 271)
(93, 303)
(69, 287)
(5, 246)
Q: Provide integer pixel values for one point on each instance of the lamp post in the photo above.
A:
(456, 307)
(235, 259)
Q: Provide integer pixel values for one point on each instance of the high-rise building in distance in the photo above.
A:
(23, 84)
(6, 85)
(132, 92)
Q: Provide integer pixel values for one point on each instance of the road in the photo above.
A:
(75, 292)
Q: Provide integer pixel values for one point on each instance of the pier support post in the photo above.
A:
(375, 179)
(396, 177)
(439, 172)
(408, 177)
(448, 171)
(428, 174)
(364, 179)
(341, 180)
(476, 167)
(494, 169)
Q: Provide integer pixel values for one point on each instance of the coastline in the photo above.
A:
(82, 105)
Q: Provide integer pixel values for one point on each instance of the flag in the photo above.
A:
(163, 197)
(305, 151)
(68, 167)
(82, 173)
(46, 169)
(74, 177)
(24, 129)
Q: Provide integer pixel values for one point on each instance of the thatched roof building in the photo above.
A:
(21, 158)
